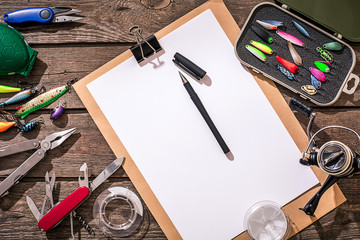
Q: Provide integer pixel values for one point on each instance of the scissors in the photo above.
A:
(42, 146)
(42, 15)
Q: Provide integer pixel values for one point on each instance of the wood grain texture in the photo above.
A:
(77, 49)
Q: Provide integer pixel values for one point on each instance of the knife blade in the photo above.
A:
(33, 208)
(107, 172)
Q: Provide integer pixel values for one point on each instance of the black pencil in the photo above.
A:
(195, 98)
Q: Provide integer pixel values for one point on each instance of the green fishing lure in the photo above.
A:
(334, 46)
(325, 54)
(322, 66)
(261, 46)
(256, 52)
(16, 56)
(43, 100)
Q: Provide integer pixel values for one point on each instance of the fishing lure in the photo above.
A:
(256, 52)
(318, 74)
(316, 83)
(26, 127)
(322, 66)
(21, 96)
(294, 54)
(273, 22)
(335, 46)
(288, 65)
(291, 38)
(4, 125)
(7, 89)
(264, 35)
(325, 54)
(286, 72)
(301, 29)
(309, 89)
(58, 111)
(266, 25)
(43, 100)
(262, 47)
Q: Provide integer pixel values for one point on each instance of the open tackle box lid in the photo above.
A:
(340, 17)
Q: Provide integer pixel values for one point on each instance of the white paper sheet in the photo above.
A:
(205, 195)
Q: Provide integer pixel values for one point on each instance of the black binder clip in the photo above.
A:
(144, 48)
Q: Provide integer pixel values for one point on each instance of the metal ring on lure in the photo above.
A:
(291, 38)
(301, 29)
(334, 46)
(288, 65)
(309, 89)
(286, 72)
(264, 35)
(322, 66)
(266, 25)
(294, 54)
(325, 54)
(318, 74)
(262, 47)
(274, 23)
(316, 83)
(256, 52)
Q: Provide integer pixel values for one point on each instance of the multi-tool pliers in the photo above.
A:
(41, 146)
(67, 206)
(42, 15)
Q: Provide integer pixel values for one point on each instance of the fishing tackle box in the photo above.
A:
(344, 60)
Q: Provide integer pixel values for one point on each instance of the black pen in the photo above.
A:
(195, 98)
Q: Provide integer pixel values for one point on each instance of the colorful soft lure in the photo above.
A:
(334, 46)
(4, 125)
(291, 38)
(273, 22)
(288, 65)
(309, 89)
(325, 54)
(264, 35)
(256, 52)
(21, 96)
(316, 83)
(266, 25)
(286, 72)
(301, 29)
(7, 89)
(262, 47)
(294, 54)
(322, 66)
(43, 100)
(318, 74)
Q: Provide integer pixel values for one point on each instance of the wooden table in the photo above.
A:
(76, 49)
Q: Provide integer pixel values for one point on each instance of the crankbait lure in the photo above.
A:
(286, 72)
(318, 74)
(7, 89)
(335, 46)
(288, 65)
(309, 89)
(291, 38)
(21, 96)
(316, 83)
(43, 100)
(325, 54)
(301, 29)
(58, 111)
(4, 125)
(26, 127)
(273, 22)
(256, 52)
(261, 46)
(322, 66)
(266, 25)
(295, 56)
(264, 35)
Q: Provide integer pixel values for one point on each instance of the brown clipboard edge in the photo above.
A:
(299, 220)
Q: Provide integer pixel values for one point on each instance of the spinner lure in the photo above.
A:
(334, 46)
(286, 72)
(262, 47)
(21, 96)
(288, 65)
(291, 38)
(264, 35)
(325, 54)
(265, 25)
(43, 100)
(301, 29)
(256, 52)
(309, 89)
(322, 66)
(318, 74)
(294, 54)
(316, 83)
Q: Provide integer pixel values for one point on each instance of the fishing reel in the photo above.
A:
(334, 158)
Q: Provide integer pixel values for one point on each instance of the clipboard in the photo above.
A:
(331, 199)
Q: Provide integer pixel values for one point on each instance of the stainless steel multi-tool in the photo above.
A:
(67, 206)
(41, 146)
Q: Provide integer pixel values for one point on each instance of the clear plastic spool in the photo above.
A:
(267, 221)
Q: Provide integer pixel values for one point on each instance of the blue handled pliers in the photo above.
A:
(41, 15)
